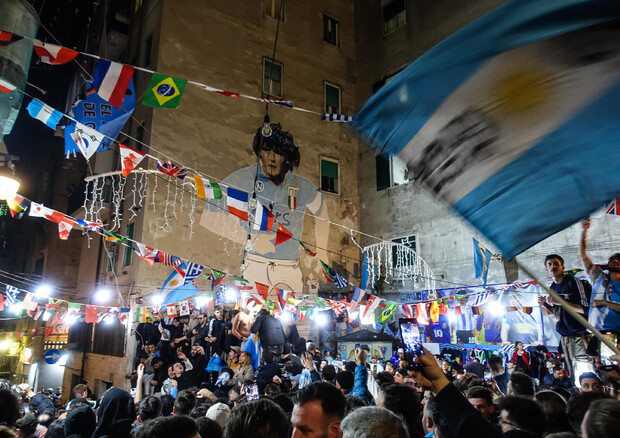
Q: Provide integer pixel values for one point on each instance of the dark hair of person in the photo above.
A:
(209, 428)
(350, 366)
(578, 404)
(149, 408)
(56, 429)
(554, 407)
(167, 404)
(525, 413)
(163, 427)
(522, 384)
(271, 389)
(280, 141)
(284, 401)
(615, 256)
(200, 410)
(184, 403)
(384, 378)
(589, 375)
(476, 381)
(331, 399)
(496, 364)
(480, 392)
(352, 403)
(11, 407)
(268, 357)
(402, 371)
(554, 256)
(440, 422)
(462, 384)
(346, 380)
(329, 373)
(603, 419)
(258, 419)
(403, 400)
(156, 360)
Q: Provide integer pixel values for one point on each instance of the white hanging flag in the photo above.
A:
(130, 158)
(39, 210)
(87, 139)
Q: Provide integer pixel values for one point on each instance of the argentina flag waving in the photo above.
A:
(524, 99)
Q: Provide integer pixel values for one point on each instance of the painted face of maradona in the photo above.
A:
(271, 163)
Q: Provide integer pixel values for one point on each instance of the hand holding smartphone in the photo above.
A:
(606, 352)
(410, 335)
(251, 392)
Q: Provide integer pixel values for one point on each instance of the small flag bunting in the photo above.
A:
(130, 158)
(44, 113)
(237, 203)
(164, 91)
(111, 81)
(8, 38)
(5, 86)
(310, 253)
(282, 234)
(53, 54)
(171, 169)
(207, 189)
(336, 118)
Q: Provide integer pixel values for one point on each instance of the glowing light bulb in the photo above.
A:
(44, 290)
(102, 295)
(321, 319)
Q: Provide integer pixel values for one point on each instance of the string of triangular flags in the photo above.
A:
(18, 334)
(56, 312)
(185, 271)
(190, 271)
(237, 201)
(425, 311)
(111, 80)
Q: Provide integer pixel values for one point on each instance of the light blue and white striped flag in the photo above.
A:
(11, 294)
(522, 100)
(44, 113)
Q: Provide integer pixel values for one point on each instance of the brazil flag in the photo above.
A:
(164, 92)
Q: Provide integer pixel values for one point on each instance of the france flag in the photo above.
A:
(513, 120)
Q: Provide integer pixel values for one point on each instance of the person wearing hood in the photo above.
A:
(80, 423)
(116, 415)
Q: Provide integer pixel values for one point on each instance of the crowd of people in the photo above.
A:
(200, 375)
(301, 395)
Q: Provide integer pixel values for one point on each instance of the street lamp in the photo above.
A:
(102, 295)
(44, 290)
(9, 183)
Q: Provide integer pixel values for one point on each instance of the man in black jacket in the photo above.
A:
(270, 332)
(215, 333)
(461, 418)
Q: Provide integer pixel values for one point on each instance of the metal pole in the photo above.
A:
(542, 321)
(572, 311)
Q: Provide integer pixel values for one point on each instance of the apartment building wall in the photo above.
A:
(223, 46)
